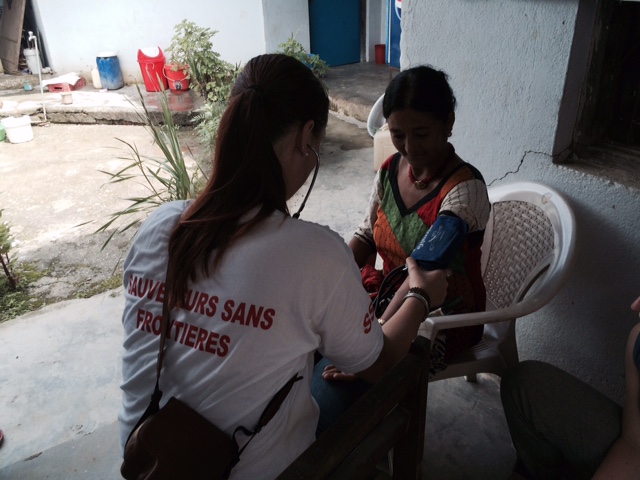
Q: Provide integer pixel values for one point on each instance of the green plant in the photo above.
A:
(191, 48)
(208, 121)
(186, 37)
(6, 242)
(166, 179)
(294, 48)
(213, 79)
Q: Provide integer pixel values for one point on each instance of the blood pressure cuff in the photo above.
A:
(439, 245)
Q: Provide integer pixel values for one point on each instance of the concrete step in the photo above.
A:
(353, 89)
(91, 106)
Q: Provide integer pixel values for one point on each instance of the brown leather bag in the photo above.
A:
(175, 441)
(178, 442)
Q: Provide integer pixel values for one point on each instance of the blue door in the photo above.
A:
(334, 28)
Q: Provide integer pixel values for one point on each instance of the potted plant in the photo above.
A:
(191, 58)
(185, 38)
(294, 48)
(191, 51)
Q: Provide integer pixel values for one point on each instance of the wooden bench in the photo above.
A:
(391, 415)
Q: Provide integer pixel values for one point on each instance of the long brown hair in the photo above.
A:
(272, 94)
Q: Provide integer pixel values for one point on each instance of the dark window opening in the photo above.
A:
(624, 78)
(608, 132)
(614, 82)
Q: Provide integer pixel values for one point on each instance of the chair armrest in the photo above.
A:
(443, 322)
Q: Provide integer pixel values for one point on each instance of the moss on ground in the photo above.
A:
(94, 288)
(16, 302)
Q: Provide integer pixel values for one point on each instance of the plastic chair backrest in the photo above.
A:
(527, 254)
(532, 240)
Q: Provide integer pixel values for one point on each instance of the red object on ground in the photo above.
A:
(380, 54)
(67, 87)
(178, 80)
(151, 64)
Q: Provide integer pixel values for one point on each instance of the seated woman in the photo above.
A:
(423, 182)
(246, 313)
(563, 428)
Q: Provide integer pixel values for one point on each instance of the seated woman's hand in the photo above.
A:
(332, 373)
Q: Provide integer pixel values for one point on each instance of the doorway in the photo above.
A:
(335, 30)
(17, 19)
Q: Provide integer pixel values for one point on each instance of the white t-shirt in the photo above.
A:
(287, 288)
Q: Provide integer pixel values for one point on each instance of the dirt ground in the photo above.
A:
(54, 197)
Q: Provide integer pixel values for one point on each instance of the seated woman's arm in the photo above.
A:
(363, 252)
(469, 201)
(362, 244)
(623, 459)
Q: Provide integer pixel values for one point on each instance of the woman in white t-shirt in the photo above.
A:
(256, 291)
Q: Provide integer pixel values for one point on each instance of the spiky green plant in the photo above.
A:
(165, 179)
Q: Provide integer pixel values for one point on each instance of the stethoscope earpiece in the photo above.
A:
(313, 180)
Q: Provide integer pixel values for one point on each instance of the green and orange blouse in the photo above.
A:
(394, 229)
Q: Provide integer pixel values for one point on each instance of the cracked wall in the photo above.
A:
(512, 66)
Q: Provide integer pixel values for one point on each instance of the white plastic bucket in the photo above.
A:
(382, 146)
(33, 60)
(18, 129)
(95, 79)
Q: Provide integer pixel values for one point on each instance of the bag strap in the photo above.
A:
(268, 413)
(154, 404)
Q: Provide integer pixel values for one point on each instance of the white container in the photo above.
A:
(33, 60)
(66, 98)
(95, 78)
(382, 146)
(18, 129)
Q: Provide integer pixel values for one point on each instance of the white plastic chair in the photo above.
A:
(376, 119)
(527, 254)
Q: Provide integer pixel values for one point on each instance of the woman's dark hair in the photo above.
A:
(422, 88)
(272, 94)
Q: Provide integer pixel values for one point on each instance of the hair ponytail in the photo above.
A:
(272, 94)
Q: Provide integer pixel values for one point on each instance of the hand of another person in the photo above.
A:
(332, 373)
(434, 282)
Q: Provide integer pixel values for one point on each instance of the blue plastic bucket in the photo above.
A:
(109, 70)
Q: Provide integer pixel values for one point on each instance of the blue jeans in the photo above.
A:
(334, 397)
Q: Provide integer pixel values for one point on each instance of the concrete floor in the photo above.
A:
(466, 434)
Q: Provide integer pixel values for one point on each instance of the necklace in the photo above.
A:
(422, 184)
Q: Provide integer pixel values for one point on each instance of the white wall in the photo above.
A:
(283, 18)
(376, 27)
(75, 31)
(508, 63)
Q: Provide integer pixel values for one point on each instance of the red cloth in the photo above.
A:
(371, 278)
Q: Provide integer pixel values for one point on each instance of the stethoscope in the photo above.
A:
(313, 180)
